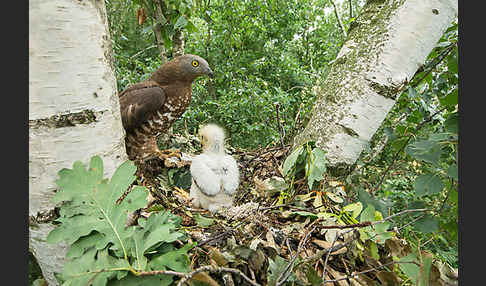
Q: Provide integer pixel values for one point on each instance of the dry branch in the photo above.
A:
(213, 269)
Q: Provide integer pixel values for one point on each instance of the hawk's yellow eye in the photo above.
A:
(195, 63)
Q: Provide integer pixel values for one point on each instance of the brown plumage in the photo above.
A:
(149, 108)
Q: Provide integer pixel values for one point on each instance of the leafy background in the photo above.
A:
(267, 52)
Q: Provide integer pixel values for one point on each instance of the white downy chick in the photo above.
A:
(215, 175)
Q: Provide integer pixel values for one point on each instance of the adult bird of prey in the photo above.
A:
(149, 108)
(215, 175)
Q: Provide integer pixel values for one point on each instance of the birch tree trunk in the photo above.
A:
(385, 46)
(73, 108)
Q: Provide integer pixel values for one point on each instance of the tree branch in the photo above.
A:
(350, 9)
(435, 62)
(369, 270)
(288, 270)
(336, 12)
(210, 268)
(280, 129)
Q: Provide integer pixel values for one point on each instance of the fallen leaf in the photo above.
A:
(335, 198)
(326, 245)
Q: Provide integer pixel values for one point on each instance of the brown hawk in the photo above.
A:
(149, 108)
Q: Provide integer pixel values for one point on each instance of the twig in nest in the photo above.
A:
(288, 270)
(280, 129)
(288, 206)
(320, 253)
(210, 268)
(327, 257)
(369, 270)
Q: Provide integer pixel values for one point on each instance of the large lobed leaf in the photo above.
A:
(102, 247)
(94, 200)
(90, 220)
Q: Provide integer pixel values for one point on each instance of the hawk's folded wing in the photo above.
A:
(138, 102)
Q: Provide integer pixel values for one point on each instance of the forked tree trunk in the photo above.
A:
(385, 46)
(73, 108)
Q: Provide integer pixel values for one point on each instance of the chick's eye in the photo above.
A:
(195, 63)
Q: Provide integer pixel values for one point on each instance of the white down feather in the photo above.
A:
(215, 176)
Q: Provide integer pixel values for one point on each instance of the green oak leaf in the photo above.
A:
(95, 198)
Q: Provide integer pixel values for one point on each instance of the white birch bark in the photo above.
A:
(73, 106)
(386, 45)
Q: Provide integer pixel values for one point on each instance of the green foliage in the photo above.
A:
(102, 248)
(377, 233)
(203, 221)
(419, 275)
(309, 158)
(262, 52)
(312, 276)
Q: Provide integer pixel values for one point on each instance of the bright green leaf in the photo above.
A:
(425, 270)
(452, 64)
(410, 270)
(317, 166)
(176, 260)
(450, 99)
(374, 250)
(203, 221)
(355, 208)
(291, 160)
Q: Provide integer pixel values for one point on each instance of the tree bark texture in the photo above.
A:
(161, 20)
(178, 43)
(73, 107)
(385, 46)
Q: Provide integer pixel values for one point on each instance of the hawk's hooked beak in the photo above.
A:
(210, 73)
